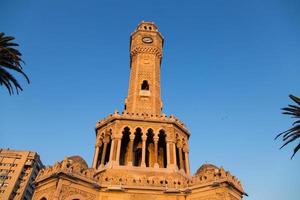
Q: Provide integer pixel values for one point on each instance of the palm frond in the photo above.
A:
(295, 99)
(10, 59)
(295, 150)
(9, 79)
(293, 133)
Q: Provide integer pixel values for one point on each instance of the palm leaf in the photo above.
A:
(295, 99)
(296, 122)
(5, 75)
(10, 59)
(295, 150)
(293, 133)
(290, 140)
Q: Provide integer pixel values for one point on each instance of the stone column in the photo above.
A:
(97, 147)
(174, 154)
(168, 154)
(118, 150)
(130, 156)
(155, 138)
(144, 138)
(187, 163)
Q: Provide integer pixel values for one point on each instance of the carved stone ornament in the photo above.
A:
(67, 192)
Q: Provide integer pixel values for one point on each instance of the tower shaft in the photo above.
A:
(145, 57)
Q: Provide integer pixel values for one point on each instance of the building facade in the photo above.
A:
(140, 153)
(18, 170)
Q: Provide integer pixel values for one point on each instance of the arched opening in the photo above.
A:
(177, 157)
(99, 155)
(183, 155)
(145, 85)
(183, 160)
(108, 151)
(137, 148)
(44, 198)
(162, 153)
(150, 149)
(124, 154)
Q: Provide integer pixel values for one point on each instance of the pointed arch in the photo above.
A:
(124, 153)
(137, 147)
(108, 148)
(162, 149)
(150, 148)
(178, 142)
(145, 85)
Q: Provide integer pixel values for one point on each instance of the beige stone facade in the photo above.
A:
(140, 153)
(18, 170)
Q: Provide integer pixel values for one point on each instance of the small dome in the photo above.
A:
(206, 167)
(79, 160)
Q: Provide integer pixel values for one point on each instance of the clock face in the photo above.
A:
(147, 40)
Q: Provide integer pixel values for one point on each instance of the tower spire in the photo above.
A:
(144, 95)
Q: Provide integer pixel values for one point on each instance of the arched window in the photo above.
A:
(162, 149)
(125, 148)
(150, 149)
(177, 158)
(145, 85)
(108, 151)
(137, 148)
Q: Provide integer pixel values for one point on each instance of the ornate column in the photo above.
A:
(187, 163)
(155, 138)
(105, 141)
(96, 156)
(179, 146)
(130, 156)
(144, 138)
(168, 153)
(118, 139)
(174, 154)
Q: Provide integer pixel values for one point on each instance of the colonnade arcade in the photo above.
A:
(141, 148)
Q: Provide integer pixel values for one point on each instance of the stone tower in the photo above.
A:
(145, 57)
(141, 136)
(140, 153)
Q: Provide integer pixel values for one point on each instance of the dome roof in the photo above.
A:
(206, 167)
(79, 160)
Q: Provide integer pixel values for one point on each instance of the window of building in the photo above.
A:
(145, 85)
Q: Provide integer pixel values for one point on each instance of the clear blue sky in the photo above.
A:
(228, 67)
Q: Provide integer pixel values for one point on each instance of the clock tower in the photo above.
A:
(145, 58)
(140, 153)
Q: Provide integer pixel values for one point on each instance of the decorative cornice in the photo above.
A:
(142, 117)
(149, 49)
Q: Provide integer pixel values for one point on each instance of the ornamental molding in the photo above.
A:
(142, 49)
(67, 192)
(48, 193)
